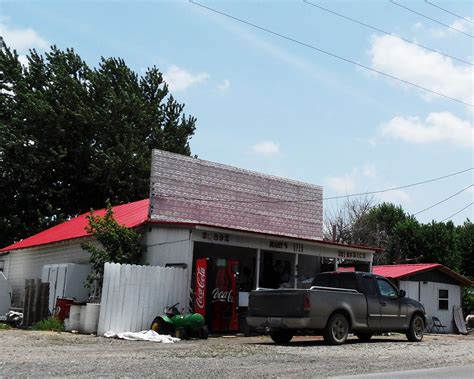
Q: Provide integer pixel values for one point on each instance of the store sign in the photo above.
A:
(200, 286)
(296, 247)
(278, 245)
(215, 236)
(351, 254)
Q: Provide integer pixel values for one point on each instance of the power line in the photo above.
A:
(429, 18)
(317, 199)
(448, 11)
(459, 211)
(384, 32)
(347, 60)
(444, 200)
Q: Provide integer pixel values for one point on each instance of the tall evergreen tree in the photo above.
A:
(72, 136)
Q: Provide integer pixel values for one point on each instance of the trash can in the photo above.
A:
(62, 308)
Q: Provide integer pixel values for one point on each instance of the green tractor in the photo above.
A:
(183, 326)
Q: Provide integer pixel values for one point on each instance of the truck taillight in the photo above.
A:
(306, 302)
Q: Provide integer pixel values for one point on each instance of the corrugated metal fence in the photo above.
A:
(133, 295)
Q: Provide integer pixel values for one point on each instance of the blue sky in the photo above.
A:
(269, 105)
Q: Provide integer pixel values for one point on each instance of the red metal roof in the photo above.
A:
(404, 270)
(130, 215)
(399, 271)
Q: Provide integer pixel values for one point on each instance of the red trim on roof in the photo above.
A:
(130, 215)
(192, 224)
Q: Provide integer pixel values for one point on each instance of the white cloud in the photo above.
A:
(395, 196)
(428, 69)
(437, 127)
(266, 148)
(369, 171)
(224, 85)
(462, 25)
(342, 184)
(23, 60)
(179, 79)
(22, 39)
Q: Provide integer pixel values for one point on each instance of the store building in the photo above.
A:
(233, 230)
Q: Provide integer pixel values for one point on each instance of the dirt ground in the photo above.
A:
(30, 353)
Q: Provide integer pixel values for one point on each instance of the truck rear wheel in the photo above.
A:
(415, 332)
(337, 330)
(282, 335)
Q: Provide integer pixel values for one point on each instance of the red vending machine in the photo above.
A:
(216, 293)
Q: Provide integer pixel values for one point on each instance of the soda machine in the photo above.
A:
(216, 293)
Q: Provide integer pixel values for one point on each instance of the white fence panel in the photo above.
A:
(133, 295)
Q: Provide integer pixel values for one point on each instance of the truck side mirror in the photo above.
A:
(402, 293)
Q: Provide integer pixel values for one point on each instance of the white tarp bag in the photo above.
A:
(144, 335)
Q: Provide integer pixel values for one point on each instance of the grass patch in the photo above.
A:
(5, 326)
(51, 323)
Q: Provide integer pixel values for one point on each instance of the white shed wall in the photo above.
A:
(28, 263)
(167, 245)
(427, 294)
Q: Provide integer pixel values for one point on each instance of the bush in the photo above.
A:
(51, 323)
(4, 326)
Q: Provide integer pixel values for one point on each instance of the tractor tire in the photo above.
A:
(161, 327)
(203, 333)
(181, 333)
(337, 330)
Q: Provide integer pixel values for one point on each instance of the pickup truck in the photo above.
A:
(336, 304)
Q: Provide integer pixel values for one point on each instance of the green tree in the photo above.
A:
(118, 244)
(465, 234)
(72, 136)
(440, 244)
(405, 244)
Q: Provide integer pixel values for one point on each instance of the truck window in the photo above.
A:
(368, 285)
(386, 289)
(321, 280)
(347, 281)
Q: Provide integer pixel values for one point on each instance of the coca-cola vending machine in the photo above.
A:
(216, 294)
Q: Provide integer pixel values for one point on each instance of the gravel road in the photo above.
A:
(31, 353)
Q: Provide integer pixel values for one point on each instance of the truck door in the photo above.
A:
(391, 306)
(369, 287)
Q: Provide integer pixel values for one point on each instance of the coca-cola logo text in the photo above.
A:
(225, 296)
(201, 286)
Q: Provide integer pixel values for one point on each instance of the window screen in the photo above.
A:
(443, 302)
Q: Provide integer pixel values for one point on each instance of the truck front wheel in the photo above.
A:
(337, 330)
(415, 332)
(282, 335)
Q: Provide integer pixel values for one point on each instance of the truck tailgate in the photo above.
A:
(277, 303)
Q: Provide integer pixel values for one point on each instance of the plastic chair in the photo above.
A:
(437, 325)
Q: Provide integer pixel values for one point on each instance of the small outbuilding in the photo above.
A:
(437, 287)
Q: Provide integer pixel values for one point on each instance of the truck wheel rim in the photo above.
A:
(339, 329)
(418, 327)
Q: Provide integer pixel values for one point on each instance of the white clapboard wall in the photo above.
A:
(132, 296)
